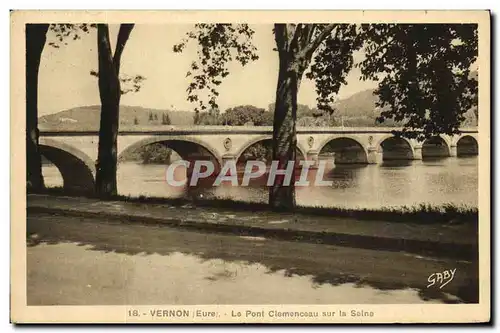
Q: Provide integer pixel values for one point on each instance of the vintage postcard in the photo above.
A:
(250, 167)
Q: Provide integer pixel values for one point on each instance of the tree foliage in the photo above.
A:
(424, 74)
(254, 116)
(64, 32)
(247, 115)
(332, 62)
(155, 153)
(218, 44)
(128, 83)
(165, 119)
(423, 70)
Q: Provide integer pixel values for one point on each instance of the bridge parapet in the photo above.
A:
(185, 130)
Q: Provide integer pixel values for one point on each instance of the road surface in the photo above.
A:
(84, 261)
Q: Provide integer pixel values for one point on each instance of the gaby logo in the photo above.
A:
(441, 278)
(276, 173)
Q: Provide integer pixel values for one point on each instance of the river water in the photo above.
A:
(390, 184)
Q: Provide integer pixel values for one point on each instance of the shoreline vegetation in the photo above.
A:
(155, 153)
(449, 214)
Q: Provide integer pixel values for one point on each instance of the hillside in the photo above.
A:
(360, 110)
(361, 104)
(356, 110)
(87, 118)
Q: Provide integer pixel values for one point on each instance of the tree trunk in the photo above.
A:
(282, 196)
(109, 90)
(35, 41)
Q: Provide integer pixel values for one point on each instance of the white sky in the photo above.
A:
(65, 82)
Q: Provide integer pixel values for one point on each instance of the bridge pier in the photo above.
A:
(313, 155)
(227, 158)
(417, 152)
(453, 151)
(374, 156)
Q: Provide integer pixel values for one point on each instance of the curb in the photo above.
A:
(421, 247)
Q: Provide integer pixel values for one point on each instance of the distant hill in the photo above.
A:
(87, 118)
(360, 110)
(356, 110)
(358, 105)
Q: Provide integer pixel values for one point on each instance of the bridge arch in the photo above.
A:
(346, 150)
(467, 145)
(436, 146)
(395, 148)
(265, 139)
(186, 147)
(77, 168)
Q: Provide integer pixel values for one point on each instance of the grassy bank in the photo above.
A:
(421, 214)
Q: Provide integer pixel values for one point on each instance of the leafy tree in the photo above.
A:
(267, 118)
(244, 114)
(155, 153)
(261, 151)
(207, 118)
(313, 122)
(324, 53)
(210, 117)
(165, 119)
(425, 72)
(196, 118)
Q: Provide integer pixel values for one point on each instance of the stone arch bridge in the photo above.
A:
(74, 152)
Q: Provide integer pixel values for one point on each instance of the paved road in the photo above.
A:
(83, 261)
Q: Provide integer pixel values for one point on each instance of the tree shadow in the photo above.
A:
(330, 266)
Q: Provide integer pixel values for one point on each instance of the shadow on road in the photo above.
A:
(325, 264)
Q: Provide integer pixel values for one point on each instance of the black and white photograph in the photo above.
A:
(185, 169)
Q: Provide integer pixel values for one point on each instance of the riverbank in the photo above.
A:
(421, 214)
(451, 239)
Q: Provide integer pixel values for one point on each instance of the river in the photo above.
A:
(391, 184)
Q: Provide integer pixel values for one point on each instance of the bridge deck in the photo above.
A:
(183, 130)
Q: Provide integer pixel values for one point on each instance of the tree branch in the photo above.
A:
(307, 35)
(104, 49)
(313, 45)
(123, 35)
(281, 37)
(297, 32)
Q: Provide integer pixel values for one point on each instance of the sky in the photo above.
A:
(65, 81)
